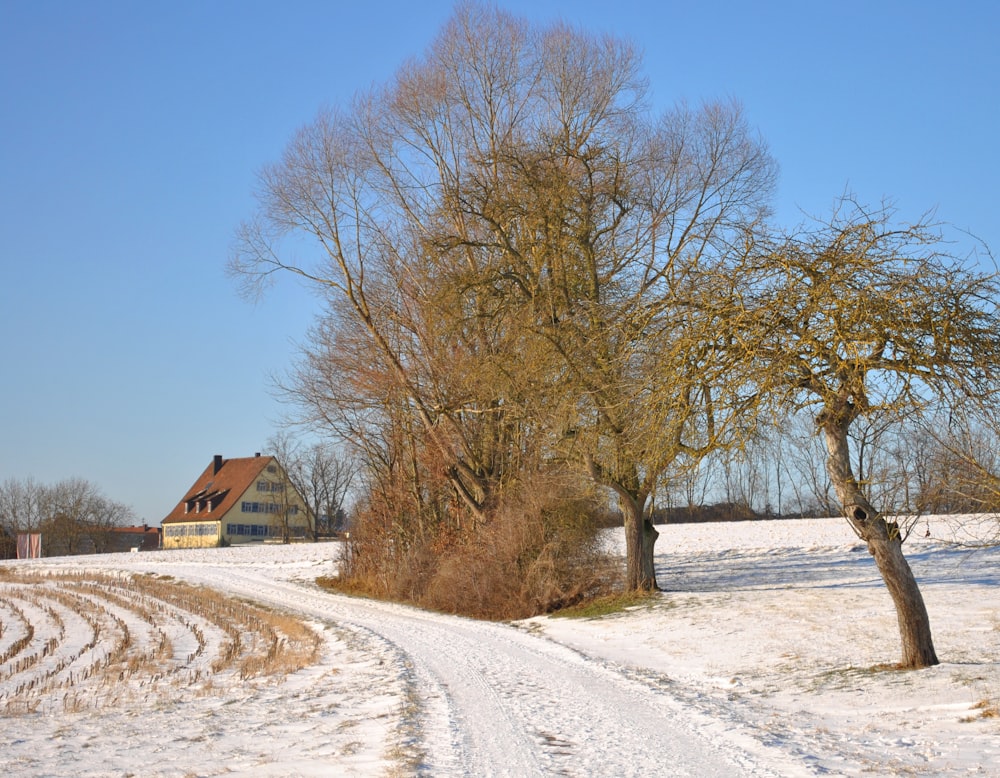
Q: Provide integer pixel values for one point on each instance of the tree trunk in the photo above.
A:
(649, 536)
(886, 545)
(640, 535)
(640, 539)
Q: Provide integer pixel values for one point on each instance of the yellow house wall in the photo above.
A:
(198, 534)
(299, 524)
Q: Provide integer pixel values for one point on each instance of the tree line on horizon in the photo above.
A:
(540, 295)
(73, 516)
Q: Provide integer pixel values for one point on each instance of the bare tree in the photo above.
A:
(961, 473)
(514, 245)
(599, 226)
(322, 476)
(23, 505)
(863, 319)
(369, 186)
(688, 485)
(803, 454)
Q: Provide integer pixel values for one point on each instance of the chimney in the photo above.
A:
(216, 464)
(257, 454)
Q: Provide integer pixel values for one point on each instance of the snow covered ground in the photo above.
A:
(767, 654)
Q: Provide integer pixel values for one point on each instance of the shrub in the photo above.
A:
(537, 552)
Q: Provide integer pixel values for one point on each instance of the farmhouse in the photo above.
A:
(242, 500)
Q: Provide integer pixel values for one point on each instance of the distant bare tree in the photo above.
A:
(23, 505)
(804, 456)
(962, 466)
(687, 486)
(322, 475)
(73, 515)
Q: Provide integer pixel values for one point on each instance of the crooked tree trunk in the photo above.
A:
(886, 546)
(640, 539)
(640, 534)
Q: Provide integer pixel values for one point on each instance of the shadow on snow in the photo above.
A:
(730, 570)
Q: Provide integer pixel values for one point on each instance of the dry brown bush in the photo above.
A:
(538, 552)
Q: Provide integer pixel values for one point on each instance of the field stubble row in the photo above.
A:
(84, 641)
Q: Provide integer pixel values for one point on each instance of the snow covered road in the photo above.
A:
(746, 666)
(492, 700)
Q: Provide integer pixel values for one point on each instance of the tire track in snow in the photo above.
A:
(496, 701)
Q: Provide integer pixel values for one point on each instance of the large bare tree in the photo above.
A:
(372, 185)
(514, 243)
(864, 318)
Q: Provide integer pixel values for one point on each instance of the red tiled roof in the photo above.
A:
(222, 489)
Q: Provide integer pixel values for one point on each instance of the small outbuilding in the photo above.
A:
(141, 538)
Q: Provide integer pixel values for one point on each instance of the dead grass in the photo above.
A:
(609, 605)
(130, 646)
(987, 709)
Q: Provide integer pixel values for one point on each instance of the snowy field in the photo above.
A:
(768, 654)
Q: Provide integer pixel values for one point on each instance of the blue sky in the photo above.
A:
(131, 133)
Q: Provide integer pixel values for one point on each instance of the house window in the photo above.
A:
(270, 486)
(249, 506)
(251, 530)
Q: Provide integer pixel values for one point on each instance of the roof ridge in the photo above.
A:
(220, 485)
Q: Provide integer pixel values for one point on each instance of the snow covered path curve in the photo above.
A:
(484, 699)
(495, 701)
